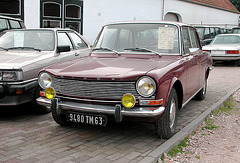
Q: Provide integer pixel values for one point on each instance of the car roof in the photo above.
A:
(42, 29)
(149, 22)
(229, 34)
(205, 26)
(11, 18)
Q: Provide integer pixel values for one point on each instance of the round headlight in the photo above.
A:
(128, 101)
(50, 93)
(45, 80)
(146, 86)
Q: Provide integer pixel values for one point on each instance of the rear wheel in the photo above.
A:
(202, 93)
(237, 62)
(165, 126)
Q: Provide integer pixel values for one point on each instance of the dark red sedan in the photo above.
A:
(142, 71)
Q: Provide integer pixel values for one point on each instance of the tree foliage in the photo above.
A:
(236, 3)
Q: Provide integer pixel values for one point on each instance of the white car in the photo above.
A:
(225, 47)
(24, 52)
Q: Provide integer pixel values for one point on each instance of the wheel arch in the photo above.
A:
(207, 72)
(179, 89)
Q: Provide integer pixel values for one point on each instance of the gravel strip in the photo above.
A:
(221, 144)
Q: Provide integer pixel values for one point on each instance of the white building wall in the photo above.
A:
(97, 13)
(32, 13)
(198, 14)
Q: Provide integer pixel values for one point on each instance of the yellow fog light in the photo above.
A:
(50, 93)
(128, 101)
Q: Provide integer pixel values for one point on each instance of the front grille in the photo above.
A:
(93, 89)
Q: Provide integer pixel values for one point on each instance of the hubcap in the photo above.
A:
(172, 113)
(204, 88)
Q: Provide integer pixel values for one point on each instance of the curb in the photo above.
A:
(183, 133)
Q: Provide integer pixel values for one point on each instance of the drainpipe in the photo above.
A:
(163, 4)
(63, 14)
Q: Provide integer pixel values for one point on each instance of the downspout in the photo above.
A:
(163, 5)
(63, 14)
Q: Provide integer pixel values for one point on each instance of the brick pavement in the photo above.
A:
(26, 137)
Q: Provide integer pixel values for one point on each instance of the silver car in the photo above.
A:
(225, 47)
(24, 52)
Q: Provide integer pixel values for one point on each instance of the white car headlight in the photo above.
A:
(11, 75)
(146, 86)
(45, 80)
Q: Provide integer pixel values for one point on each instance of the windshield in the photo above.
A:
(226, 39)
(161, 38)
(31, 39)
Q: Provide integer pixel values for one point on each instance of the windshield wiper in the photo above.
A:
(3, 48)
(143, 50)
(106, 49)
(24, 48)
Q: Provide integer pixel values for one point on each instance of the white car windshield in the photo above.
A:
(28, 39)
(158, 38)
(226, 39)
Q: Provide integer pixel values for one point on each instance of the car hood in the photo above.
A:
(111, 68)
(18, 59)
(222, 47)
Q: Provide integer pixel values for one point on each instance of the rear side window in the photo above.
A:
(14, 24)
(63, 40)
(78, 42)
(206, 33)
(3, 25)
(186, 40)
(212, 31)
(194, 39)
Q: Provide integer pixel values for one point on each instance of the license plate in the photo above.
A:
(218, 52)
(92, 119)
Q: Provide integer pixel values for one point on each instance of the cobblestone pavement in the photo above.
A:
(26, 137)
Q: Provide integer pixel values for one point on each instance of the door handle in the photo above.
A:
(76, 54)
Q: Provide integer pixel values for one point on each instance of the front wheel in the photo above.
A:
(165, 126)
(202, 93)
(36, 107)
(60, 119)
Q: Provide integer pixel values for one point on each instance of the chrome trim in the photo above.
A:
(86, 100)
(19, 83)
(191, 97)
(103, 109)
(93, 89)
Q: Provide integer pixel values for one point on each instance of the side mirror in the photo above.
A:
(63, 48)
(192, 50)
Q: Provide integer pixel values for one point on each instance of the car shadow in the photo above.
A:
(225, 64)
(13, 112)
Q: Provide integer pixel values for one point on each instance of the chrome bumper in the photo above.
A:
(142, 111)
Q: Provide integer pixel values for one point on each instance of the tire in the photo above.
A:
(39, 109)
(60, 119)
(202, 93)
(237, 62)
(165, 126)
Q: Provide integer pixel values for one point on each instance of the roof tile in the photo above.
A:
(222, 4)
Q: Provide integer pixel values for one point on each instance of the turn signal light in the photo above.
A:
(151, 102)
(19, 91)
(232, 51)
(41, 93)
